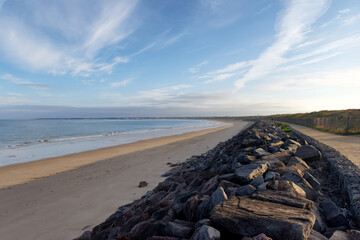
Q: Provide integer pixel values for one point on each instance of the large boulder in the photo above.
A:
(308, 153)
(245, 174)
(283, 198)
(334, 217)
(243, 216)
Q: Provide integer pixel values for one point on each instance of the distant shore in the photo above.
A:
(85, 189)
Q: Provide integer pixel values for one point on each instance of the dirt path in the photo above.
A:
(349, 146)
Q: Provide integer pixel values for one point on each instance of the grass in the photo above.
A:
(284, 127)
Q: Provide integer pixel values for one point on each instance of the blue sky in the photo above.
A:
(89, 58)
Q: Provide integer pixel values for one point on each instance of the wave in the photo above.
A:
(109, 134)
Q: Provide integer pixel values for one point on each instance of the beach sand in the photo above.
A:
(74, 193)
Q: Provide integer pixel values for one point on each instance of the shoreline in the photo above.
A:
(24, 172)
(64, 205)
(61, 146)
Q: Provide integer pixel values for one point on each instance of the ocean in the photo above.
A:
(29, 140)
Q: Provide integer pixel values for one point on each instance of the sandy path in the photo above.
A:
(62, 206)
(349, 146)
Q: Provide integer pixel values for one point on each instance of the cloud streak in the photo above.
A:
(292, 27)
(67, 41)
(22, 82)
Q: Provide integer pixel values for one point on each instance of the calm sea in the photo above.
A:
(29, 140)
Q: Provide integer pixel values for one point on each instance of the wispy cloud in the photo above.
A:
(226, 72)
(342, 11)
(197, 67)
(121, 83)
(293, 25)
(67, 40)
(22, 82)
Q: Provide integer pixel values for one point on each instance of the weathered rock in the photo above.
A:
(283, 198)
(333, 215)
(258, 237)
(339, 235)
(206, 233)
(160, 238)
(312, 180)
(244, 216)
(262, 186)
(143, 184)
(270, 176)
(287, 186)
(308, 153)
(179, 229)
(144, 229)
(226, 184)
(246, 159)
(298, 163)
(210, 185)
(319, 222)
(217, 197)
(275, 146)
(257, 181)
(246, 173)
(353, 234)
(246, 190)
(315, 235)
(274, 163)
(191, 207)
(202, 222)
(282, 156)
(259, 152)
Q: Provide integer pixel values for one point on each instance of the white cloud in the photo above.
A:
(344, 11)
(66, 37)
(293, 25)
(220, 77)
(352, 19)
(197, 67)
(22, 82)
(121, 83)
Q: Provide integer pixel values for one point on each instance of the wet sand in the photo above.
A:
(74, 193)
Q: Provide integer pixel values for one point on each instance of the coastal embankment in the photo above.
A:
(263, 183)
(59, 198)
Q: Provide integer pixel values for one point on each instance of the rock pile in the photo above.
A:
(262, 184)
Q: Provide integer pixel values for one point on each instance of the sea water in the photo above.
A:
(29, 140)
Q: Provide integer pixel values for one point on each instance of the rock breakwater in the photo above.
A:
(261, 184)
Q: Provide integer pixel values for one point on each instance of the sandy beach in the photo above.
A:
(74, 193)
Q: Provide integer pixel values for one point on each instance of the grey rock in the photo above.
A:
(270, 176)
(244, 216)
(339, 235)
(179, 229)
(261, 152)
(245, 174)
(334, 217)
(308, 153)
(202, 222)
(320, 224)
(299, 163)
(262, 186)
(287, 186)
(257, 181)
(312, 180)
(246, 190)
(143, 184)
(353, 234)
(217, 197)
(246, 159)
(315, 235)
(283, 198)
(206, 233)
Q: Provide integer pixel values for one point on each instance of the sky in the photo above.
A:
(154, 58)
